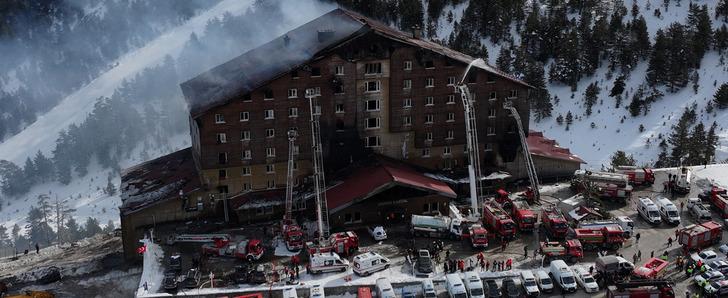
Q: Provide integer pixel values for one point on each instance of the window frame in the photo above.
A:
(450, 117)
(221, 138)
(407, 65)
(430, 82)
(292, 112)
(407, 84)
(245, 135)
(292, 93)
(376, 119)
(244, 116)
(429, 101)
(429, 118)
(376, 67)
(219, 118)
(377, 85)
(270, 152)
(272, 114)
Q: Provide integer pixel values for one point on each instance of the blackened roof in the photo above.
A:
(157, 180)
(258, 66)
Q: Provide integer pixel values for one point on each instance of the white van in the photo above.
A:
(428, 289)
(474, 285)
(377, 232)
(384, 288)
(290, 292)
(317, 291)
(455, 287)
(545, 284)
(563, 276)
(369, 262)
(528, 281)
(648, 210)
(668, 211)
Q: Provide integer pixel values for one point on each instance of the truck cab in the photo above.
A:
(478, 236)
(648, 210)
(668, 211)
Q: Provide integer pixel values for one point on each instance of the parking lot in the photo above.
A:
(653, 241)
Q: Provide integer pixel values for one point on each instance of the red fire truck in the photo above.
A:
(570, 250)
(478, 236)
(498, 220)
(608, 185)
(642, 289)
(554, 223)
(637, 175)
(245, 250)
(342, 243)
(696, 236)
(524, 218)
(718, 198)
(652, 269)
(611, 237)
(293, 237)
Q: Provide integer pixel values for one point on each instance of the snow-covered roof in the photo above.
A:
(498, 175)
(157, 180)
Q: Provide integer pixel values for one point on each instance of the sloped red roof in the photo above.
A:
(545, 147)
(371, 180)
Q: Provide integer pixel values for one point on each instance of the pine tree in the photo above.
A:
(711, 143)
(722, 10)
(640, 38)
(590, 97)
(721, 96)
(678, 139)
(504, 61)
(635, 106)
(44, 167)
(720, 38)
(560, 120)
(411, 12)
(680, 56)
(73, 231)
(109, 228)
(620, 158)
(618, 87)
(657, 68)
(539, 98)
(569, 119)
(696, 145)
(29, 172)
(701, 31)
(4, 237)
(38, 229)
(91, 227)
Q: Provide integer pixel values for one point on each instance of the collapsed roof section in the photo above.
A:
(545, 147)
(306, 43)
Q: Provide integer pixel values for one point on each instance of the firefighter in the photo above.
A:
(487, 265)
(525, 252)
(669, 241)
(509, 264)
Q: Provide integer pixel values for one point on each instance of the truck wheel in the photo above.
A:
(250, 258)
(572, 259)
(343, 269)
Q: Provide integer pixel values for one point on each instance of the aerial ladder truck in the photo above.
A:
(471, 134)
(292, 233)
(530, 167)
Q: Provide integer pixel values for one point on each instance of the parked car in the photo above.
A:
(317, 291)
(424, 262)
(718, 265)
(723, 249)
(706, 256)
(192, 279)
(710, 276)
(377, 232)
(528, 281)
(717, 288)
(586, 281)
(474, 285)
(170, 281)
(384, 288)
(455, 287)
(370, 262)
(428, 289)
(545, 284)
(492, 289)
(510, 289)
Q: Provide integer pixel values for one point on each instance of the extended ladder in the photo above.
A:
(322, 211)
(288, 218)
(530, 166)
(471, 135)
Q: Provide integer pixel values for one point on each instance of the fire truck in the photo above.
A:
(654, 268)
(607, 185)
(245, 250)
(642, 289)
(611, 237)
(554, 223)
(293, 237)
(478, 236)
(498, 220)
(637, 175)
(519, 210)
(681, 181)
(436, 226)
(570, 250)
(719, 199)
(696, 236)
(342, 243)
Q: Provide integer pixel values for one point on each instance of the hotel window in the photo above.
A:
(372, 141)
(491, 130)
(408, 65)
(221, 138)
(294, 166)
(372, 86)
(446, 150)
(339, 88)
(222, 174)
(451, 99)
(246, 171)
(429, 64)
(490, 78)
(247, 154)
(270, 132)
(429, 101)
(372, 105)
(450, 81)
(407, 84)
(244, 116)
(429, 118)
(222, 158)
(514, 94)
(245, 135)
(219, 118)
(372, 68)
(269, 114)
(293, 112)
(247, 97)
(450, 135)
(492, 96)
(271, 184)
(426, 152)
(246, 186)
(450, 117)
(270, 169)
(339, 70)
(316, 71)
(372, 123)
(491, 113)
(428, 136)
(294, 74)
(292, 93)
(270, 152)
(268, 94)
(429, 82)
(406, 120)
(339, 108)
(313, 91)
(407, 103)
(488, 146)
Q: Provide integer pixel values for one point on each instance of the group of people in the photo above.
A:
(452, 265)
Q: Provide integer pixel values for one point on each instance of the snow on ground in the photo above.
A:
(711, 174)
(282, 250)
(41, 135)
(152, 274)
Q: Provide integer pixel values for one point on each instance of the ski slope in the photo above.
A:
(42, 134)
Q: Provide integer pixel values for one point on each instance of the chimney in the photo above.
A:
(286, 40)
(325, 34)
(416, 32)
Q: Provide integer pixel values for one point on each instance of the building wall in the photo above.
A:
(377, 209)
(546, 168)
(344, 114)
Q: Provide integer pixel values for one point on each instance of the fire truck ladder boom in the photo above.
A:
(288, 218)
(471, 134)
(322, 211)
(530, 167)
